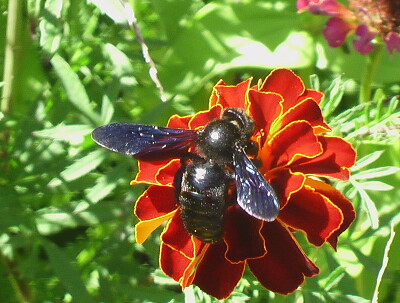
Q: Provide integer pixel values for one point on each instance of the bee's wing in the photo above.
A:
(254, 194)
(144, 141)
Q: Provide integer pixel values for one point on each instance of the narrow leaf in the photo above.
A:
(112, 8)
(66, 272)
(385, 260)
(376, 185)
(74, 88)
(69, 133)
(376, 172)
(107, 110)
(81, 167)
(366, 160)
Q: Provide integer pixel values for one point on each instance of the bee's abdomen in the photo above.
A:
(201, 194)
(203, 216)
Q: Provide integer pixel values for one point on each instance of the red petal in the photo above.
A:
(295, 140)
(233, 96)
(338, 155)
(242, 236)
(286, 83)
(264, 108)
(176, 236)
(148, 171)
(179, 122)
(285, 265)
(339, 200)
(313, 94)
(216, 275)
(215, 96)
(285, 183)
(203, 117)
(172, 262)
(155, 202)
(309, 111)
(166, 174)
(312, 213)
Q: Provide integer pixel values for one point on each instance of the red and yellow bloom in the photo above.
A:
(294, 153)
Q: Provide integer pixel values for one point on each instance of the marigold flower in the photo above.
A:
(295, 155)
(367, 19)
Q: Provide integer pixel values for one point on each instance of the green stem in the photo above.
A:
(21, 288)
(13, 49)
(371, 67)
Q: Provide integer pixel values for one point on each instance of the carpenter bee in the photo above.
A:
(217, 159)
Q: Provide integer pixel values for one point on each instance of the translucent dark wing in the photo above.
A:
(254, 194)
(144, 141)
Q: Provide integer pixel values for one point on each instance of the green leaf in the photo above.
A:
(74, 88)
(122, 67)
(369, 205)
(66, 272)
(51, 25)
(394, 227)
(70, 133)
(81, 167)
(376, 185)
(112, 8)
(226, 36)
(334, 96)
(107, 110)
(376, 172)
(366, 160)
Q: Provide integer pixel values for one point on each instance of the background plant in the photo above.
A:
(66, 221)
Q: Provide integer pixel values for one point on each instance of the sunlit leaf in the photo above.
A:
(81, 167)
(376, 172)
(74, 88)
(66, 272)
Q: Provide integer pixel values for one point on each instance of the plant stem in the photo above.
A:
(12, 54)
(371, 67)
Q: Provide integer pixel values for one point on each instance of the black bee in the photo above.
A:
(204, 179)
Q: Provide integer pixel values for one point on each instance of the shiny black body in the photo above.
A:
(201, 189)
(218, 157)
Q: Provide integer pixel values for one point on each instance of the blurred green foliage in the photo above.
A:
(66, 207)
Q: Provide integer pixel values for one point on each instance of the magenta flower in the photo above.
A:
(365, 18)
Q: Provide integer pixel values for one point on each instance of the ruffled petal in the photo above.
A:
(285, 265)
(337, 157)
(242, 236)
(285, 83)
(177, 121)
(285, 183)
(340, 201)
(296, 140)
(216, 275)
(200, 249)
(148, 171)
(233, 95)
(176, 236)
(203, 117)
(265, 107)
(166, 174)
(309, 111)
(155, 202)
(173, 263)
(312, 213)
